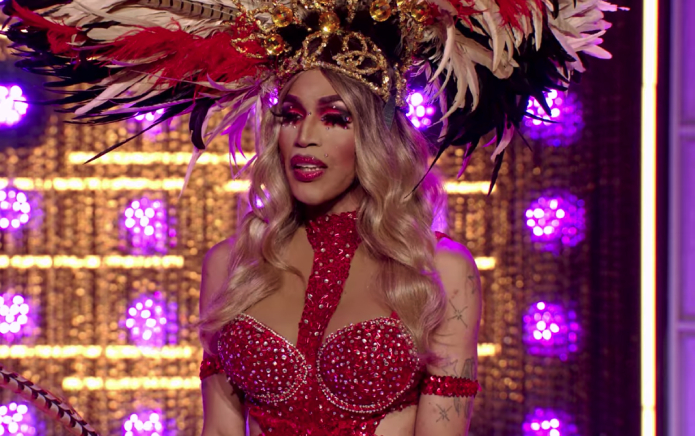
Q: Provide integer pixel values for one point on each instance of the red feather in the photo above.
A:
(60, 37)
(463, 11)
(513, 10)
(179, 55)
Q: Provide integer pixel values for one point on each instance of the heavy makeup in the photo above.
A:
(317, 146)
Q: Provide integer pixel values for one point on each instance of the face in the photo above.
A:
(317, 141)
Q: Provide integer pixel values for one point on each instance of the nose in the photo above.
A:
(309, 132)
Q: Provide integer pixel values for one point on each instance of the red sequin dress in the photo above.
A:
(342, 385)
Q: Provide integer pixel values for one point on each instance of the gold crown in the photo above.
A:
(332, 45)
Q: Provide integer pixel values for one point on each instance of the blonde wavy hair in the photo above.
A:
(393, 222)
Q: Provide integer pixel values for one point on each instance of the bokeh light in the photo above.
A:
(550, 330)
(555, 221)
(15, 420)
(548, 422)
(15, 210)
(13, 105)
(149, 116)
(148, 423)
(564, 122)
(146, 223)
(151, 321)
(419, 113)
(16, 317)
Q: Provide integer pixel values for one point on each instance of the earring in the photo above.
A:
(309, 113)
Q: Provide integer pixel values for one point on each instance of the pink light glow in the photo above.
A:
(418, 112)
(13, 105)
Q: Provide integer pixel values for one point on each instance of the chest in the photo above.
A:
(359, 300)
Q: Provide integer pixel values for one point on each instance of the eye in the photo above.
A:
(290, 116)
(336, 118)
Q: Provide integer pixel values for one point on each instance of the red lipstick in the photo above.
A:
(307, 168)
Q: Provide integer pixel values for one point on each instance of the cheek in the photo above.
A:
(344, 153)
(285, 142)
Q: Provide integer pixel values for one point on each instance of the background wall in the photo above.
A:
(86, 282)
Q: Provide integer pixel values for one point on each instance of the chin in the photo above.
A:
(312, 195)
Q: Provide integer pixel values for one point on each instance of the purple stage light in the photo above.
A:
(565, 120)
(419, 113)
(13, 105)
(15, 317)
(556, 220)
(547, 422)
(144, 424)
(149, 116)
(151, 321)
(15, 420)
(15, 209)
(550, 330)
(146, 222)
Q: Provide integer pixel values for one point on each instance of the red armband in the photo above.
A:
(210, 366)
(449, 386)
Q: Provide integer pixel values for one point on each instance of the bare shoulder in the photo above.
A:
(454, 261)
(219, 255)
(215, 269)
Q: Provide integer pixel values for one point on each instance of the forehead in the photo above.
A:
(310, 86)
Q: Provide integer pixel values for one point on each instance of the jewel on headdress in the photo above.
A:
(274, 44)
(380, 10)
(329, 22)
(326, 4)
(282, 16)
(419, 11)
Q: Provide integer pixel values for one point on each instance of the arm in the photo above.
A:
(223, 413)
(456, 342)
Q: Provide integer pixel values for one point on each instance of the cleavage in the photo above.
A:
(281, 311)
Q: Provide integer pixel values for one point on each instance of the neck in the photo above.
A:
(348, 201)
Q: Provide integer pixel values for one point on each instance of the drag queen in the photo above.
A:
(335, 310)
(351, 292)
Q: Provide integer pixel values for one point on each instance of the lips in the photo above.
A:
(307, 168)
(306, 162)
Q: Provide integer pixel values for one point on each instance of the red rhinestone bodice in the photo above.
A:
(343, 385)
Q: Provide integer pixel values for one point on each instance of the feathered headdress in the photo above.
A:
(480, 60)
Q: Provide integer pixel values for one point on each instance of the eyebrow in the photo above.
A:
(323, 101)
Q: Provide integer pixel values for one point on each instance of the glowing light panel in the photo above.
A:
(550, 330)
(419, 113)
(15, 210)
(151, 321)
(556, 220)
(547, 422)
(146, 223)
(144, 424)
(13, 105)
(15, 420)
(564, 122)
(15, 317)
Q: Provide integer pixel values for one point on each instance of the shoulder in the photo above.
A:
(217, 258)
(454, 261)
(215, 269)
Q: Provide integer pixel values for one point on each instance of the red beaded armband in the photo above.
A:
(449, 386)
(210, 366)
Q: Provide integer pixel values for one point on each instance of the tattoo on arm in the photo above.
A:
(443, 413)
(458, 314)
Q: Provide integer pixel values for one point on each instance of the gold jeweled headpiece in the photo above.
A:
(330, 43)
